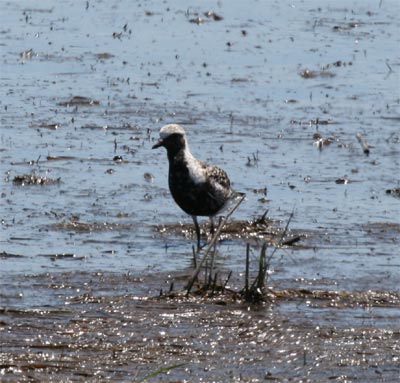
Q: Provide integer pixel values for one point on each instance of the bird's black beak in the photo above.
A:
(158, 144)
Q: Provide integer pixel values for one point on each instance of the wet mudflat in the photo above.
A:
(298, 102)
(113, 327)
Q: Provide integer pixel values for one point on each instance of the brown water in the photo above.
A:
(275, 93)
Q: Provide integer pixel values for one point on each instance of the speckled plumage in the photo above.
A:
(198, 189)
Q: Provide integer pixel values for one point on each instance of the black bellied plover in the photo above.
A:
(198, 189)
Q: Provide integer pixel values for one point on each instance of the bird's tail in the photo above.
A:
(236, 195)
(233, 198)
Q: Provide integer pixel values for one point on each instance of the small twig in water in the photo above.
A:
(281, 238)
(227, 280)
(263, 216)
(389, 67)
(363, 142)
(292, 241)
(246, 277)
(231, 120)
(213, 252)
(214, 283)
(194, 257)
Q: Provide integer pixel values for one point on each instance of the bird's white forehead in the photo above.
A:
(167, 130)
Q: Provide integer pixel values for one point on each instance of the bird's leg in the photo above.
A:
(212, 227)
(197, 228)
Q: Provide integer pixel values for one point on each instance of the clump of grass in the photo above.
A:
(255, 293)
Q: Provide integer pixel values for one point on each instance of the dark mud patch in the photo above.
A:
(321, 142)
(341, 299)
(56, 256)
(342, 181)
(28, 54)
(60, 158)
(199, 19)
(346, 26)
(86, 227)
(383, 231)
(395, 192)
(46, 125)
(39, 160)
(99, 326)
(308, 73)
(315, 122)
(104, 56)
(79, 101)
(310, 297)
(5, 254)
(123, 127)
(35, 179)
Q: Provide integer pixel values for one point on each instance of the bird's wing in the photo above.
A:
(217, 176)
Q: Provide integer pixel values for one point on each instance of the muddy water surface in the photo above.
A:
(298, 101)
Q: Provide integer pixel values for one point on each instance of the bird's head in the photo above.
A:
(172, 137)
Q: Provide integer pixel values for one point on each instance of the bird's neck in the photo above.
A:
(183, 162)
(176, 154)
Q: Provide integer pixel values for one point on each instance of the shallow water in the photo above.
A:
(233, 100)
(252, 90)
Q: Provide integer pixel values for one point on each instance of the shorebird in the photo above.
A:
(199, 189)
